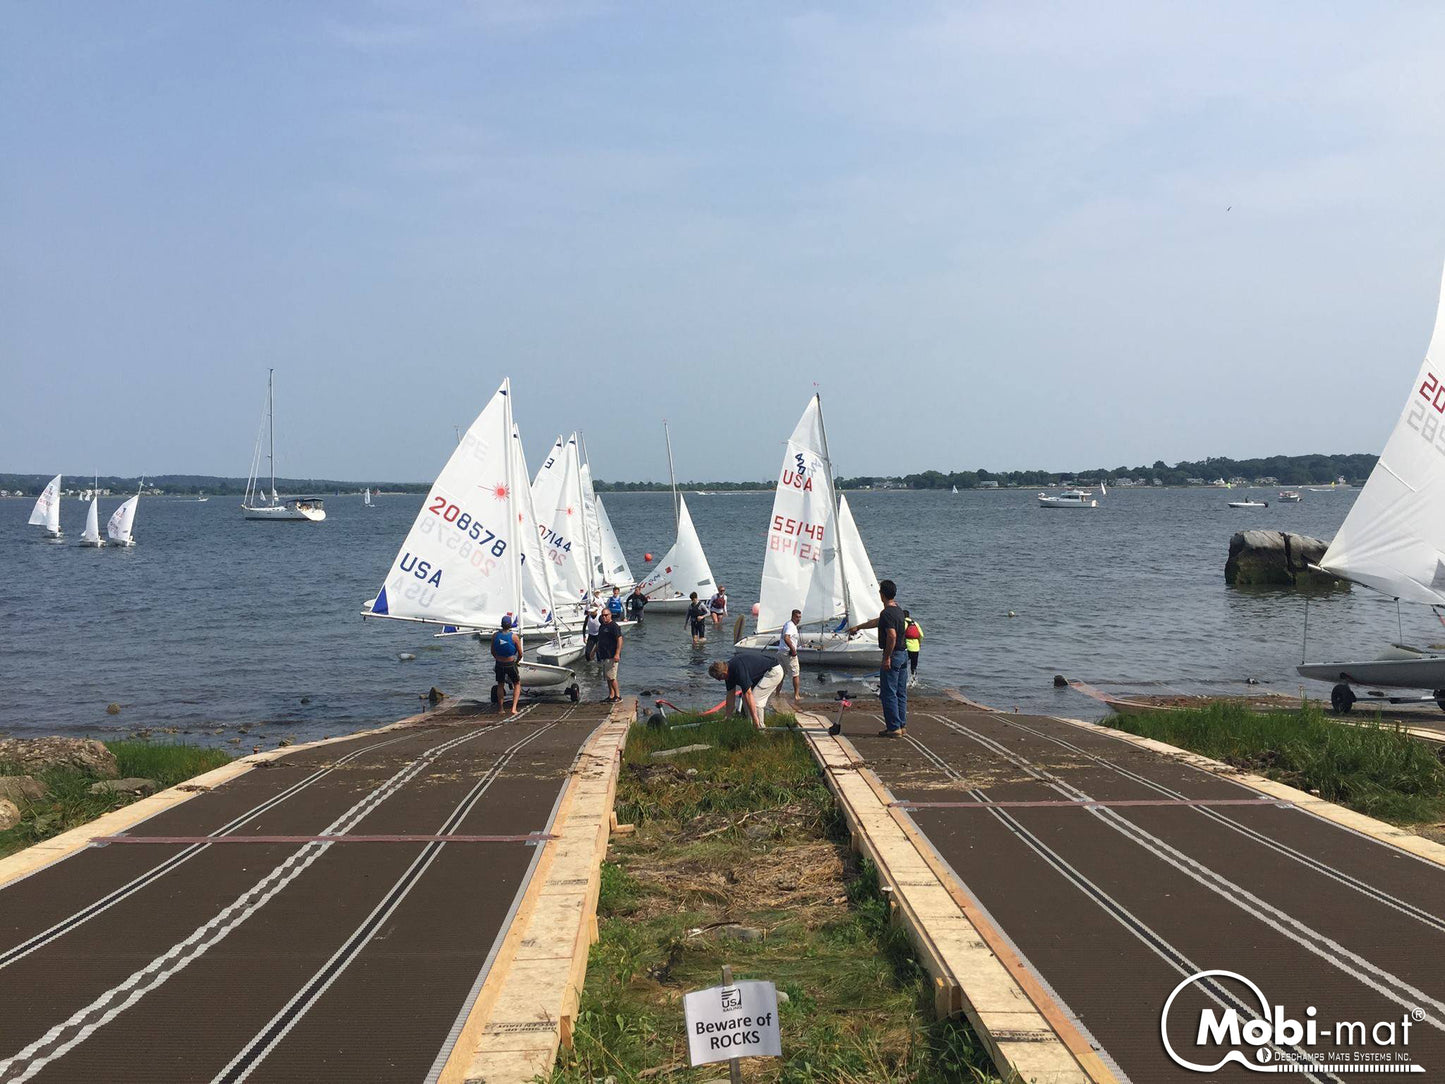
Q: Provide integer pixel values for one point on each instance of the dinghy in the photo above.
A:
(255, 504)
(473, 554)
(122, 523)
(1393, 540)
(91, 535)
(684, 568)
(46, 512)
(815, 559)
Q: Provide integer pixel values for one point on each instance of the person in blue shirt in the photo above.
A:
(507, 655)
(614, 604)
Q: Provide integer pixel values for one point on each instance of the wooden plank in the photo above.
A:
(528, 1005)
(1027, 1033)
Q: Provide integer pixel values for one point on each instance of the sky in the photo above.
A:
(1002, 235)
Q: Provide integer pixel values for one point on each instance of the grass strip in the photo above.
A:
(1374, 768)
(741, 857)
(68, 801)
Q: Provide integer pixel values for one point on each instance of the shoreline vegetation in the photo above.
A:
(1375, 768)
(68, 800)
(1279, 470)
(740, 857)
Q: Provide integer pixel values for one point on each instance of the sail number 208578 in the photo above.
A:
(470, 527)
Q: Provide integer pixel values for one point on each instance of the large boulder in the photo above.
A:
(79, 754)
(21, 789)
(1276, 558)
(9, 814)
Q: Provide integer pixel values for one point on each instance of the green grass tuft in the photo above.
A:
(1374, 767)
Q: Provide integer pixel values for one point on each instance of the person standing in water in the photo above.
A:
(697, 620)
(913, 644)
(636, 602)
(507, 659)
(593, 627)
(893, 668)
(718, 606)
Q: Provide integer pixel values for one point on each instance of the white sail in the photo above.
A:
(1394, 537)
(684, 568)
(92, 522)
(801, 569)
(861, 583)
(460, 563)
(537, 601)
(614, 562)
(592, 522)
(46, 512)
(122, 521)
(547, 485)
(562, 533)
(366, 499)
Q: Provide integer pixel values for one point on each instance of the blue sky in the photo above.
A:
(1003, 235)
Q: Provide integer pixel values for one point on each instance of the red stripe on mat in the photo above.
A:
(533, 837)
(1064, 803)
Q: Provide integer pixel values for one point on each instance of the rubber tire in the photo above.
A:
(574, 693)
(1342, 699)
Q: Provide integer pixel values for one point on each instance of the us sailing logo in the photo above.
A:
(1273, 1041)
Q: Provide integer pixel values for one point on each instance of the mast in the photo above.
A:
(511, 476)
(676, 510)
(833, 506)
(582, 512)
(271, 425)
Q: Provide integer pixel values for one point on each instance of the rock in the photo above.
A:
(405, 656)
(9, 814)
(285, 742)
(129, 785)
(1060, 682)
(666, 754)
(21, 789)
(783, 997)
(80, 754)
(434, 696)
(306, 700)
(112, 709)
(692, 771)
(1275, 558)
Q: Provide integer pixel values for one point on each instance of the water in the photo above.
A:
(212, 621)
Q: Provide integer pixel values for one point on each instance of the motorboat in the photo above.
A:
(1070, 498)
(1290, 496)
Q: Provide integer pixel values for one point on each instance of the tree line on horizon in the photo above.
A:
(1287, 470)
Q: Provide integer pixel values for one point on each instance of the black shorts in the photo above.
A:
(699, 627)
(508, 673)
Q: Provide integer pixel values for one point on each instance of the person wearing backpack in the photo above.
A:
(913, 644)
(507, 655)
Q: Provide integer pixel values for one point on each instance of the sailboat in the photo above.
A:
(255, 504)
(46, 512)
(684, 568)
(955, 491)
(366, 497)
(473, 554)
(122, 521)
(1393, 540)
(815, 560)
(91, 535)
(609, 563)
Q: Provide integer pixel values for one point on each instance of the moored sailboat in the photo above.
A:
(684, 568)
(256, 504)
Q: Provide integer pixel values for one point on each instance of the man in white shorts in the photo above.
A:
(788, 651)
(753, 675)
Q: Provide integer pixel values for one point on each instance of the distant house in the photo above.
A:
(990, 484)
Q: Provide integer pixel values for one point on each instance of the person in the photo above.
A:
(635, 603)
(697, 619)
(609, 653)
(507, 657)
(893, 670)
(614, 604)
(593, 627)
(788, 651)
(913, 644)
(718, 606)
(752, 675)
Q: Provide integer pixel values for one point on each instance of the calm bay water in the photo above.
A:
(212, 622)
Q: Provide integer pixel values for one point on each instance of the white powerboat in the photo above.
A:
(1249, 502)
(815, 559)
(255, 504)
(1071, 498)
(1291, 496)
(1393, 540)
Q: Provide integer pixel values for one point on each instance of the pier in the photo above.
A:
(359, 909)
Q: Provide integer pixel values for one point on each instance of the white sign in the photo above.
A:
(737, 1021)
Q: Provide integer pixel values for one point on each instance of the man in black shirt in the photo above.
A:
(635, 603)
(609, 653)
(755, 675)
(893, 668)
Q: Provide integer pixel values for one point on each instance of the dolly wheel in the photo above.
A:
(1342, 699)
(497, 695)
(574, 693)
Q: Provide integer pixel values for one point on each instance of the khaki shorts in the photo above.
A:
(609, 669)
(764, 689)
(790, 665)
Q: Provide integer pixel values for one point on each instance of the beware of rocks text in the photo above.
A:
(737, 1021)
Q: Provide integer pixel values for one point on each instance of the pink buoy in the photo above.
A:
(647, 557)
(755, 608)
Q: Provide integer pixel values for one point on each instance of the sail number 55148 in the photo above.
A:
(470, 527)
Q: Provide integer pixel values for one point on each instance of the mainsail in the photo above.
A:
(860, 583)
(461, 561)
(801, 569)
(564, 541)
(1392, 539)
(537, 603)
(91, 533)
(684, 568)
(592, 523)
(614, 562)
(46, 512)
(122, 520)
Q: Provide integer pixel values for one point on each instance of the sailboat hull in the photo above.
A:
(823, 651)
(677, 605)
(93, 543)
(1399, 668)
(286, 513)
(557, 653)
